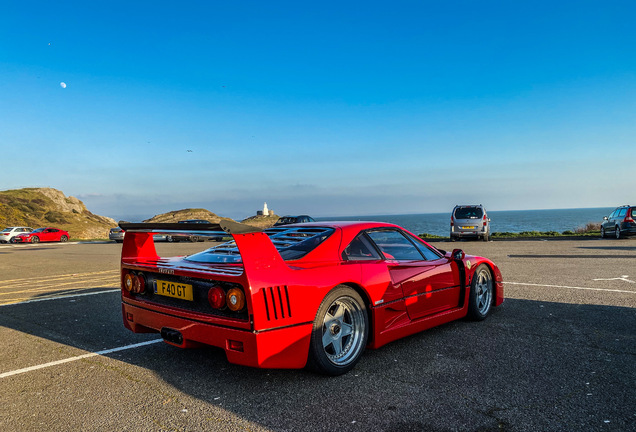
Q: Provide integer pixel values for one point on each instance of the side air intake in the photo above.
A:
(277, 302)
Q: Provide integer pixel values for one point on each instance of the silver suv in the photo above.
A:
(469, 221)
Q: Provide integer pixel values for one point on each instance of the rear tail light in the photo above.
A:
(134, 283)
(629, 217)
(452, 223)
(235, 299)
(216, 297)
(485, 220)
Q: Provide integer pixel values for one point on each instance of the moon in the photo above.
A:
(63, 84)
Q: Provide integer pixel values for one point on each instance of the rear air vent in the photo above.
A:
(276, 302)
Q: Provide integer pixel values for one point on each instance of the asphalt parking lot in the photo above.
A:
(559, 355)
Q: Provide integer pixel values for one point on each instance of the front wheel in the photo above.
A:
(35, 239)
(339, 333)
(602, 232)
(481, 294)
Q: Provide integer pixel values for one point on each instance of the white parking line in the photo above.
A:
(72, 359)
(570, 287)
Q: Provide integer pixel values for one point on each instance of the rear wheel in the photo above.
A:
(618, 232)
(169, 239)
(340, 332)
(35, 239)
(194, 239)
(481, 293)
(63, 239)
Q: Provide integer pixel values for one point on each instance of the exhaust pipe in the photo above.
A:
(172, 336)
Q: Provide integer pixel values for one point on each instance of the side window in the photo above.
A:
(360, 248)
(429, 254)
(394, 245)
(613, 215)
(621, 214)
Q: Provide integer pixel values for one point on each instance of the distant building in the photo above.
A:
(265, 211)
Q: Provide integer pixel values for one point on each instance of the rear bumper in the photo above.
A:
(468, 234)
(281, 348)
(628, 230)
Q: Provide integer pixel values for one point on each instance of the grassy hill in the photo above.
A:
(42, 207)
(178, 215)
(185, 214)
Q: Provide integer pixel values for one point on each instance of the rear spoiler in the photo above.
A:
(260, 257)
(203, 229)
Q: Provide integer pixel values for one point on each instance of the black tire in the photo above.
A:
(12, 241)
(452, 238)
(63, 239)
(169, 239)
(486, 237)
(194, 239)
(340, 332)
(602, 232)
(35, 239)
(119, 241)
(617, 232)
(482, 292)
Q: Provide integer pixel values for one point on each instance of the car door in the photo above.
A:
(429, 284)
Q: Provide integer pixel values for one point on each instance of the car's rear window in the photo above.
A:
(469, 213)
(291, 243)
(633, 212)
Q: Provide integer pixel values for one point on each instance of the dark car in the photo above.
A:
(286, 220)
(620, 223)
(192, 238)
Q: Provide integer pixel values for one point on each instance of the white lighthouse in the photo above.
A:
(265, 211)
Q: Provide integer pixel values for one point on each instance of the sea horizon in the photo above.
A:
(515, 221)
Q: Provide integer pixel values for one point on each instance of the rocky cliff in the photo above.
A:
(42, 207)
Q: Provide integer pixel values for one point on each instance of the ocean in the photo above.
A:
(514, 221)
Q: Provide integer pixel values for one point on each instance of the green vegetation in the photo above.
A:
(589, 230)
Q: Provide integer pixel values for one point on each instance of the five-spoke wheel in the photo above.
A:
(481, 293)
(340, 332)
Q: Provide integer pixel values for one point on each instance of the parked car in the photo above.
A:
(620, 223)
(469, 221)
(286, 220)
(117, 234)
(291, 296)
(193, 237)
(42, 235)
(7, 235)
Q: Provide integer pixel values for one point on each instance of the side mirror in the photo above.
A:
(458, 254)
(605, 218)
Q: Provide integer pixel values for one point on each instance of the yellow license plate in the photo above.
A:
(174, 289)
(469, 227)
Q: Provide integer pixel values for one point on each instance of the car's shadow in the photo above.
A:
(529, 366)
(625, 248)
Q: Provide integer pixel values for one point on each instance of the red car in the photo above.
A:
(315, 294)
(42, 235)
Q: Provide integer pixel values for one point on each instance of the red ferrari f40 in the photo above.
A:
(312, 294)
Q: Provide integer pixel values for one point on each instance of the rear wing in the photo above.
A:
(257, 251)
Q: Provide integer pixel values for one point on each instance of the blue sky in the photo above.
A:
(325, 108)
